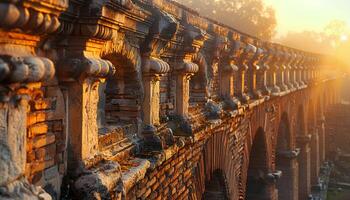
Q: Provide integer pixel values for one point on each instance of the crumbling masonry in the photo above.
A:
(145, 99)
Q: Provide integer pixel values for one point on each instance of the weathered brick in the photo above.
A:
(39, 129)
(151, 181)
(43, 140)
(146, 194)
(39, 166)
(46, 153)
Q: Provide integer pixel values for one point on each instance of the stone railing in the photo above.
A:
(142, 75)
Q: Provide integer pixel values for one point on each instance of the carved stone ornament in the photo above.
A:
(193, 39)
(187, 67)
(76, 68)
(248, 53)
(25, 69)
(155, 65)
(35, 16)
(163, 29)
(258, 56)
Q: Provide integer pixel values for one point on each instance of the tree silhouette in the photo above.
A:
(249, 16)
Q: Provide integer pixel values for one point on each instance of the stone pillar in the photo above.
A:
(281, 70)
(184, 73)
(264, 77)
(265, 188)
(257, 75)
(13, 123)
(227, 85)
(304, 166)
(83, 98)
(322, 140)
(315, 153)
(152, 68)
(261, 77)
(287, 185)
(242, 83)
(83, 131)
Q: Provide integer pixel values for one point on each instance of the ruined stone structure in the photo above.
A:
(145, 99)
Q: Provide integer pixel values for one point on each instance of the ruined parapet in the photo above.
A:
(27, 68)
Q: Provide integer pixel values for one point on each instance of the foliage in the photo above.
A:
(248, 16)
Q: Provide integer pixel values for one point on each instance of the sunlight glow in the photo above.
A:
(344, 38)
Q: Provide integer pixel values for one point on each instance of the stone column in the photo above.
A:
(287, 185)
(152, 69)
(227, 85)
(315, 153)
(83, 98)
(262, 80)
(184, 73)
(229, 71)
(281, 70)
(242, 83)
(295, 70)
(290, 70)
(275, 89)
(264, 187)
(256, 76)
(322, 139)
(304, 166)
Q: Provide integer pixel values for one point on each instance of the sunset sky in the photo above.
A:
(299, 15)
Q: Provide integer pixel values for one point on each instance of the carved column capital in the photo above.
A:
(78, 68)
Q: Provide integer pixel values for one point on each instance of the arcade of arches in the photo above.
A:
(145, 99)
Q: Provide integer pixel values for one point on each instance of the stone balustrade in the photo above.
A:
(91, 85)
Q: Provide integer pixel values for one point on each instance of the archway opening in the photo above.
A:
(257, 185)
(215, 188)
(119, 105)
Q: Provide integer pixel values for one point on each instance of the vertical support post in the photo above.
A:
(304, 166)
(83, 128)
(184, 73)
(151, 84)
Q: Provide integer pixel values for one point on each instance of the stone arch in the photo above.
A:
(121, 94)
(215, 171)
(257, 185)
(215, 188)
(285, 163)
(199, 83)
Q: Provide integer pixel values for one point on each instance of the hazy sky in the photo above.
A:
(298, 15)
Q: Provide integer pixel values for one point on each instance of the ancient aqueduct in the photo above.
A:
(145, 99)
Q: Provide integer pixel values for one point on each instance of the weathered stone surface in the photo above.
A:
(12, 142)
(149, 100)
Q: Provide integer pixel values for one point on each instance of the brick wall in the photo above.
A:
(46, 139)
